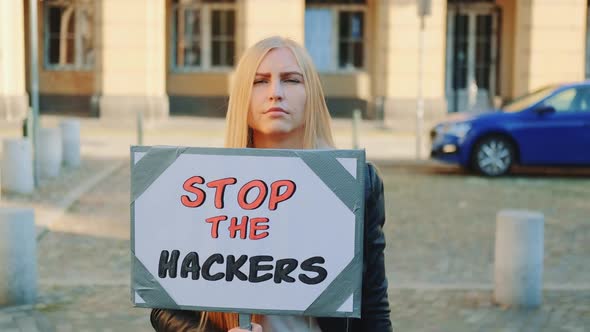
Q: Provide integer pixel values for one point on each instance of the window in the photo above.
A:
(520, 103)
(335, 33)
(203, 34)
(582, 102)
(563, 101)
(571, 100)
(460, 48)
(68, 30)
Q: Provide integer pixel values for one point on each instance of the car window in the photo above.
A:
(582, 101)
(563, 101)
(522, 102)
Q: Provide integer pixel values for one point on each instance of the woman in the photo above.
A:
(277, 102)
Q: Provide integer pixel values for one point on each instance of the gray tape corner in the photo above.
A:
(151, 166)
(347, 283)
(150, 290)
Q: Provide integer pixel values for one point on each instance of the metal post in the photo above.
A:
(356, 119)
(34, 57)
(420, 104)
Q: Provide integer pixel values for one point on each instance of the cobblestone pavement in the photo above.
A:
(447, 311)
(439, 257)
(442, 226)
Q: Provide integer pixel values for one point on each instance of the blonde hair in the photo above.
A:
(317, 132)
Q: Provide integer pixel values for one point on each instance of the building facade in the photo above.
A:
(114, 58)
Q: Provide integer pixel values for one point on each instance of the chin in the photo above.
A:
(278, 130)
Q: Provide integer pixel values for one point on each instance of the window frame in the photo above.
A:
(46, 40)
(336, 9)
(206, 11)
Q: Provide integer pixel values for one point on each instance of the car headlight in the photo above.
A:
(458, 129)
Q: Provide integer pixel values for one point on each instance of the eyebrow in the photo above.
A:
(281, 74)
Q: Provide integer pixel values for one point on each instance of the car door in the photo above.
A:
(582, 145)
(561, 137)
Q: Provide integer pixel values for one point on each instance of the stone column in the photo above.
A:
(132, 64)
(13, 96)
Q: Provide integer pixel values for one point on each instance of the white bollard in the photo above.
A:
(70, 134)
(50, 152)
(518, 268)
(18, 257)
(17, 166)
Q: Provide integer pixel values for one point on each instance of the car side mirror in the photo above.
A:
(544, 109)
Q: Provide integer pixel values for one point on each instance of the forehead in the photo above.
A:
(278, 60)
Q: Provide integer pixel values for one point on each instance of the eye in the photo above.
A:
(258, 81)
(293, 80)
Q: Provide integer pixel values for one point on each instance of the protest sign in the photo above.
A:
(247, 230)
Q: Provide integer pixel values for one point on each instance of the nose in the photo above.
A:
(276, 92)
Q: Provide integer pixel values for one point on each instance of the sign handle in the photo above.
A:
(244, 321)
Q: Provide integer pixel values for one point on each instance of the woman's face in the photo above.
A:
(278, 96)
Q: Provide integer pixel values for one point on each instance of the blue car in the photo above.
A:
(550, 127)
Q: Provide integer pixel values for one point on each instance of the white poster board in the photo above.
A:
(247, 230)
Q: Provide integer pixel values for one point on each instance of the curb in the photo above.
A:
(415, 163)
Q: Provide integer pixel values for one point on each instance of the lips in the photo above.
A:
(276, 110)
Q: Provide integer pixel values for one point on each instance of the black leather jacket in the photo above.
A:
(374, 304)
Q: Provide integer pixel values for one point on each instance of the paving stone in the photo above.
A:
(10, 329)
(5, 319)
(27, 323)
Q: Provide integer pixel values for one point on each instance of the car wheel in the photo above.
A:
(493, 156)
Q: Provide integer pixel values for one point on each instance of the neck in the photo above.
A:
(292, 140)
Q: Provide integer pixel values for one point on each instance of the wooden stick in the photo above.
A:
(245, 322)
